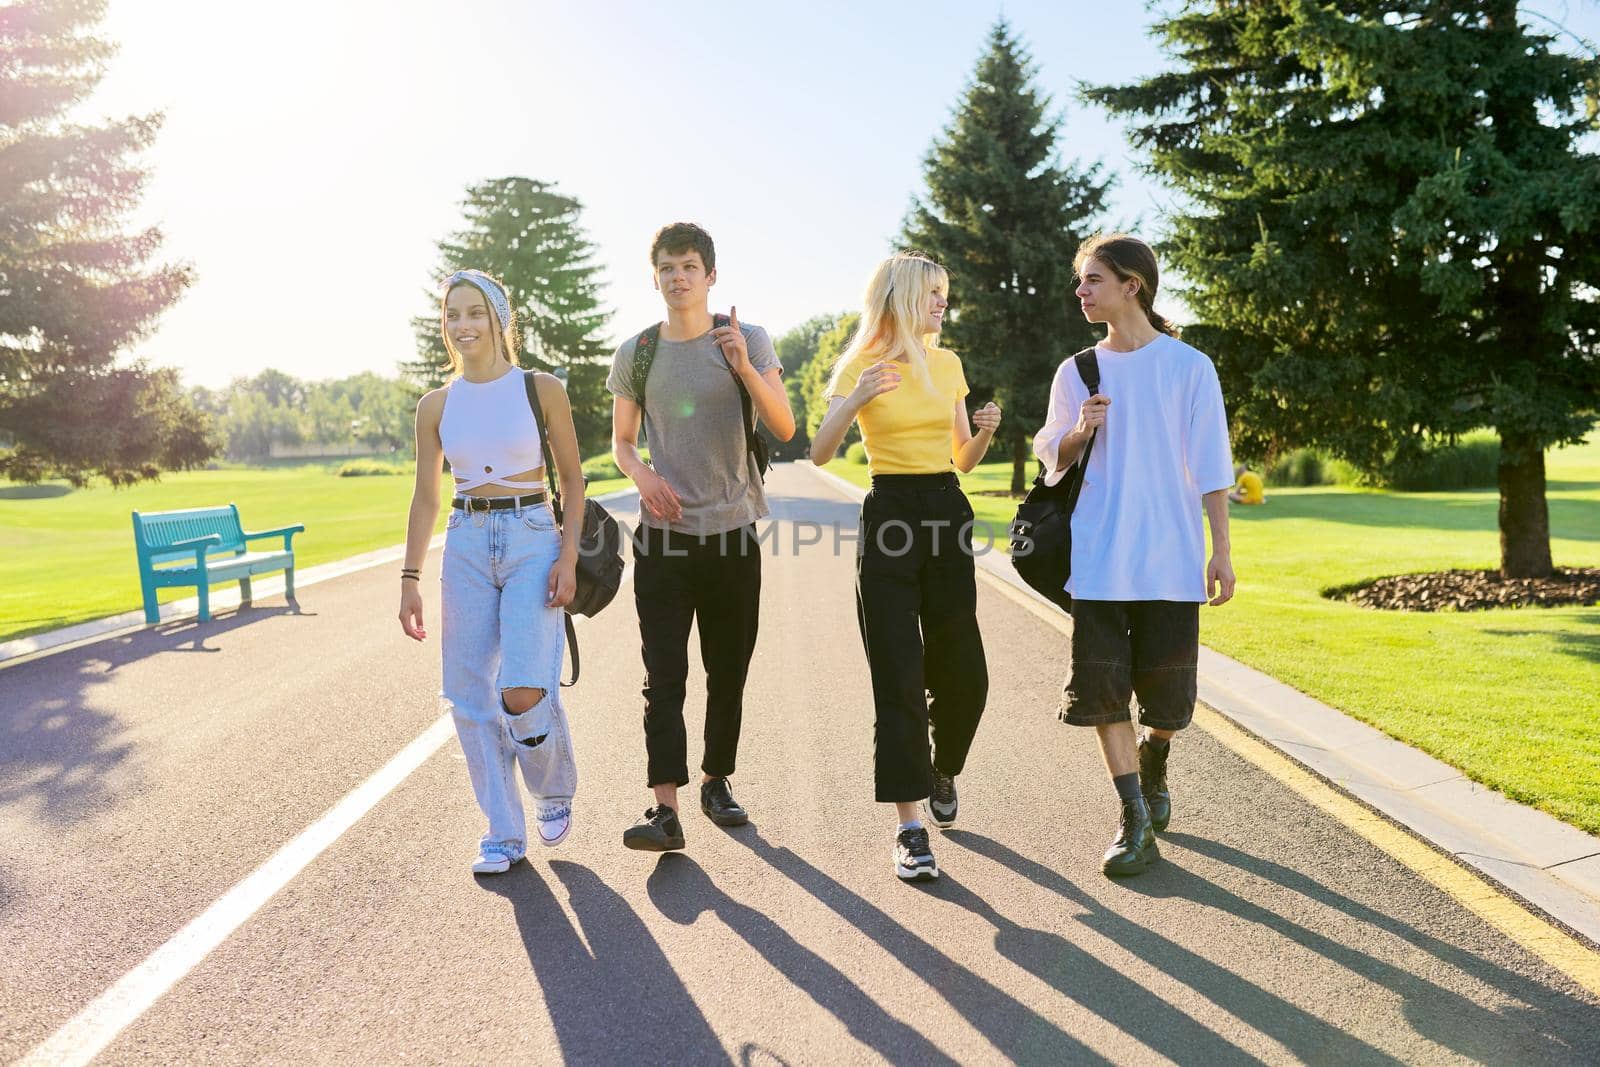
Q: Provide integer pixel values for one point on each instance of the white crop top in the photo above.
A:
(489, 433)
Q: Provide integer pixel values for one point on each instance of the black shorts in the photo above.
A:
(1122, 648)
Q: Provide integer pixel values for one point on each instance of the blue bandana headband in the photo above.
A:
(489, 287)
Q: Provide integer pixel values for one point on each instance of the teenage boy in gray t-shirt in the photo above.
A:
(696, 555)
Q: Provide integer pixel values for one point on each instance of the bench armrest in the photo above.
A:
(196, 542)
(198, 546)
(285, 532)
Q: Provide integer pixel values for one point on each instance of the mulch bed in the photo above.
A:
(1475, 591)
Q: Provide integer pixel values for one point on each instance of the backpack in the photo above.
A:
(1041, 534)
(599, 545)
(644, 353)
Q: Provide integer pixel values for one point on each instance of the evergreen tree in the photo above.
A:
(75, 289)
(1394, 233)
(1005, 216)
(528, 235)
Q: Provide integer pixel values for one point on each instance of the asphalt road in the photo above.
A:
(143, 777)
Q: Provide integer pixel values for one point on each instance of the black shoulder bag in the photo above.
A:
(1041, 534)
(644, 353)
(599, 545)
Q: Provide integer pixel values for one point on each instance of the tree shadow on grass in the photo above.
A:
(681, 889)
(43, 491)
(612, 994)
(57, 750)
(1582, 640)
(1570, 520)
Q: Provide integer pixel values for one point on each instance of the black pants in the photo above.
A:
(917, 603)
(678, 580)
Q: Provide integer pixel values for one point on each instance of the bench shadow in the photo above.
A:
(1016, 1029)
(612, 994)
(681, 890)
(57, 750)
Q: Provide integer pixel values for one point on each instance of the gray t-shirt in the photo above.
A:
(695, 427)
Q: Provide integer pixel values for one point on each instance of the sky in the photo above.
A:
(314, 153)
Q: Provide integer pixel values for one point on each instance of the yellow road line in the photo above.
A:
(1488, 902)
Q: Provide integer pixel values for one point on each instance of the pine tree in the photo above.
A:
(1394, 234)
(529, 236)
(75, 289)
(1005, 216)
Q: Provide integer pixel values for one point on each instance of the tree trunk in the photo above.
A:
(1524, 515)
(1019, 464)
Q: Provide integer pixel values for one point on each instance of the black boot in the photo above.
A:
(1153, 783)
(1135, 846)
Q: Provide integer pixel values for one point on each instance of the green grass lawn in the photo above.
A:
(1511, 697)
(66, 556)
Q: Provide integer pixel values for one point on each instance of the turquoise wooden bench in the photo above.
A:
(208, 545)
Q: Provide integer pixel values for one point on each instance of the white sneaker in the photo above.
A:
(492, 861)
(554, 821)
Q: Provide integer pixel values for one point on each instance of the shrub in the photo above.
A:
(856, 453)
(1303, 466)
(599, 468)
(363, 468)
(604, 466)
(1472, 463)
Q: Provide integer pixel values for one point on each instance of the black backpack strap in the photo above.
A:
(747, 403)
(551, 481)
(644, 354)
(1089, 370)
(572, 644)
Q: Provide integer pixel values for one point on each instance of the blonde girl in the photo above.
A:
(916, 588)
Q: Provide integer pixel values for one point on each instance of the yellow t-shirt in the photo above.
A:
(910, 429)
(1249, 488)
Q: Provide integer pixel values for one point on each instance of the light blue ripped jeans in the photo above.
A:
(499, 633)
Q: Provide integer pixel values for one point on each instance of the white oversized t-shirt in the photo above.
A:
(1137, 532)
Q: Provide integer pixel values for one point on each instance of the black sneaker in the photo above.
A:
(1153, 783)
(913, 858)
(660, 831)
(716, 800)
(1135, 846)
(941, 804)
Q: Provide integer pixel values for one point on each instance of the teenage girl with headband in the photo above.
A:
(507, 569)
(916, 586)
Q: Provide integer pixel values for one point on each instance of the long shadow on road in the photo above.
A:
(57, 750)
(624, 1003)
(1298, 1030)
(681, 889)
(1547, 1027)
(1019, 1032)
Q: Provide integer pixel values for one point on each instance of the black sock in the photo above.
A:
(1127, 786)
(1159, 744)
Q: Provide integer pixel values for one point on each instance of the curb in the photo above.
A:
(22, 649)
(1539, 858)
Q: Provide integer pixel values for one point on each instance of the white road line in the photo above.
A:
(97, 1025)
(93, 1028)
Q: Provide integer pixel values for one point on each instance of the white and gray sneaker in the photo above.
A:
(554, 819)
(913, 858)
(941, 805)
(493, 860)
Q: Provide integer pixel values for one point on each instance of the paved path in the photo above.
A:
(143, 778)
